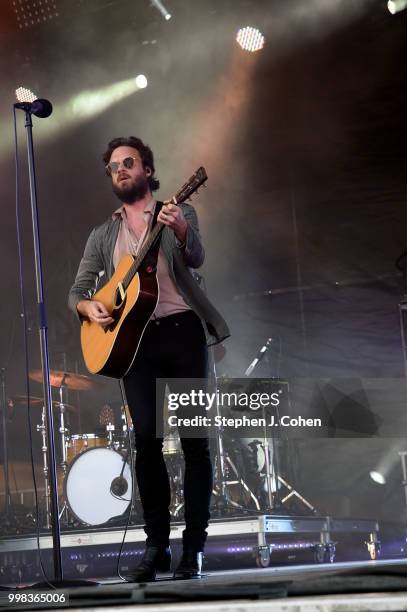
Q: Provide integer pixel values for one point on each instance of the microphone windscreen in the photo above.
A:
(41, 108)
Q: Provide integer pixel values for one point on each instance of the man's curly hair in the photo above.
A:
(145, 152)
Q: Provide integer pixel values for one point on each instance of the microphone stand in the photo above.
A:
(43, 333)
(273, 500)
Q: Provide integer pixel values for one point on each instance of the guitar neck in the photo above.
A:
(183, 194)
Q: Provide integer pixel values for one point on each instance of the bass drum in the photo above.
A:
(88, 486)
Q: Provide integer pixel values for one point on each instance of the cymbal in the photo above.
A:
(76, 382)
(37, 401)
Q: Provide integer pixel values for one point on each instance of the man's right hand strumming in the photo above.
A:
(94, 311)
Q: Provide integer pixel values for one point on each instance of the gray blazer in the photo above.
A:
(96, 268)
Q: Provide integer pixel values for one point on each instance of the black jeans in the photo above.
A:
(172, 347)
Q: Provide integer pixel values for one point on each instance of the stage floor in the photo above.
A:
(350, 586)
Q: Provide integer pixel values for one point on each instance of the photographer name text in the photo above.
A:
(242, 421)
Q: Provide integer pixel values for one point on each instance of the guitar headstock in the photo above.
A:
(193, 183)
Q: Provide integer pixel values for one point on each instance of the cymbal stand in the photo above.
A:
(275, 501)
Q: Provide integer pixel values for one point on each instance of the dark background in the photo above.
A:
(305, 212)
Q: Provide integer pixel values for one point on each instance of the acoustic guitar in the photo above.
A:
(130, 296)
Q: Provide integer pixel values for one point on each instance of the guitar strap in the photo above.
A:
(150, 260)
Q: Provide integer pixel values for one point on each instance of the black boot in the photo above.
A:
(190, 565)
(155, 559)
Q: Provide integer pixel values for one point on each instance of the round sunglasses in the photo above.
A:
(113, 167)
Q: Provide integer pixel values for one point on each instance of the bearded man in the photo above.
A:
(174, 345)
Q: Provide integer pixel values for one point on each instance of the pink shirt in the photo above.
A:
(170, 300)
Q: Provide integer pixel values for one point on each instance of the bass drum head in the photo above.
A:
(88, 482)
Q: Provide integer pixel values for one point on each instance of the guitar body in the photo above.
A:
(111, 350)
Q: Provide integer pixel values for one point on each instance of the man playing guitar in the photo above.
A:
(173, 345)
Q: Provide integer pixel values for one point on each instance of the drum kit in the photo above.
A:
(94, 467)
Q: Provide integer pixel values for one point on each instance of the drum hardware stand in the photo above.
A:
(63, 430)
(110, 428)
(274, 503)
(43, 430)
(294, 493)
(223, 503)
(43, 108)
(240, 482)
(275, 500)
(175, 474)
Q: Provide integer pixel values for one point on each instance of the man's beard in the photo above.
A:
(131, 192)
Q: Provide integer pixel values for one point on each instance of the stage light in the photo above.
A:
(395, 6)
(250, 39)
(30, 13)
(141, 81)
(25, 95)
(94, 102)
(160, 7)
(377, 477)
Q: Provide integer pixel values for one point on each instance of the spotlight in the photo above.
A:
(93, 102)
(395, 6)
(377, 477)
(25, 95)
(251, 39)
(160, 7)
(30, 13)
(141, 81)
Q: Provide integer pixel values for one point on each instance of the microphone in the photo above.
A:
(40, 108)
(119, 486)
(258, 357)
